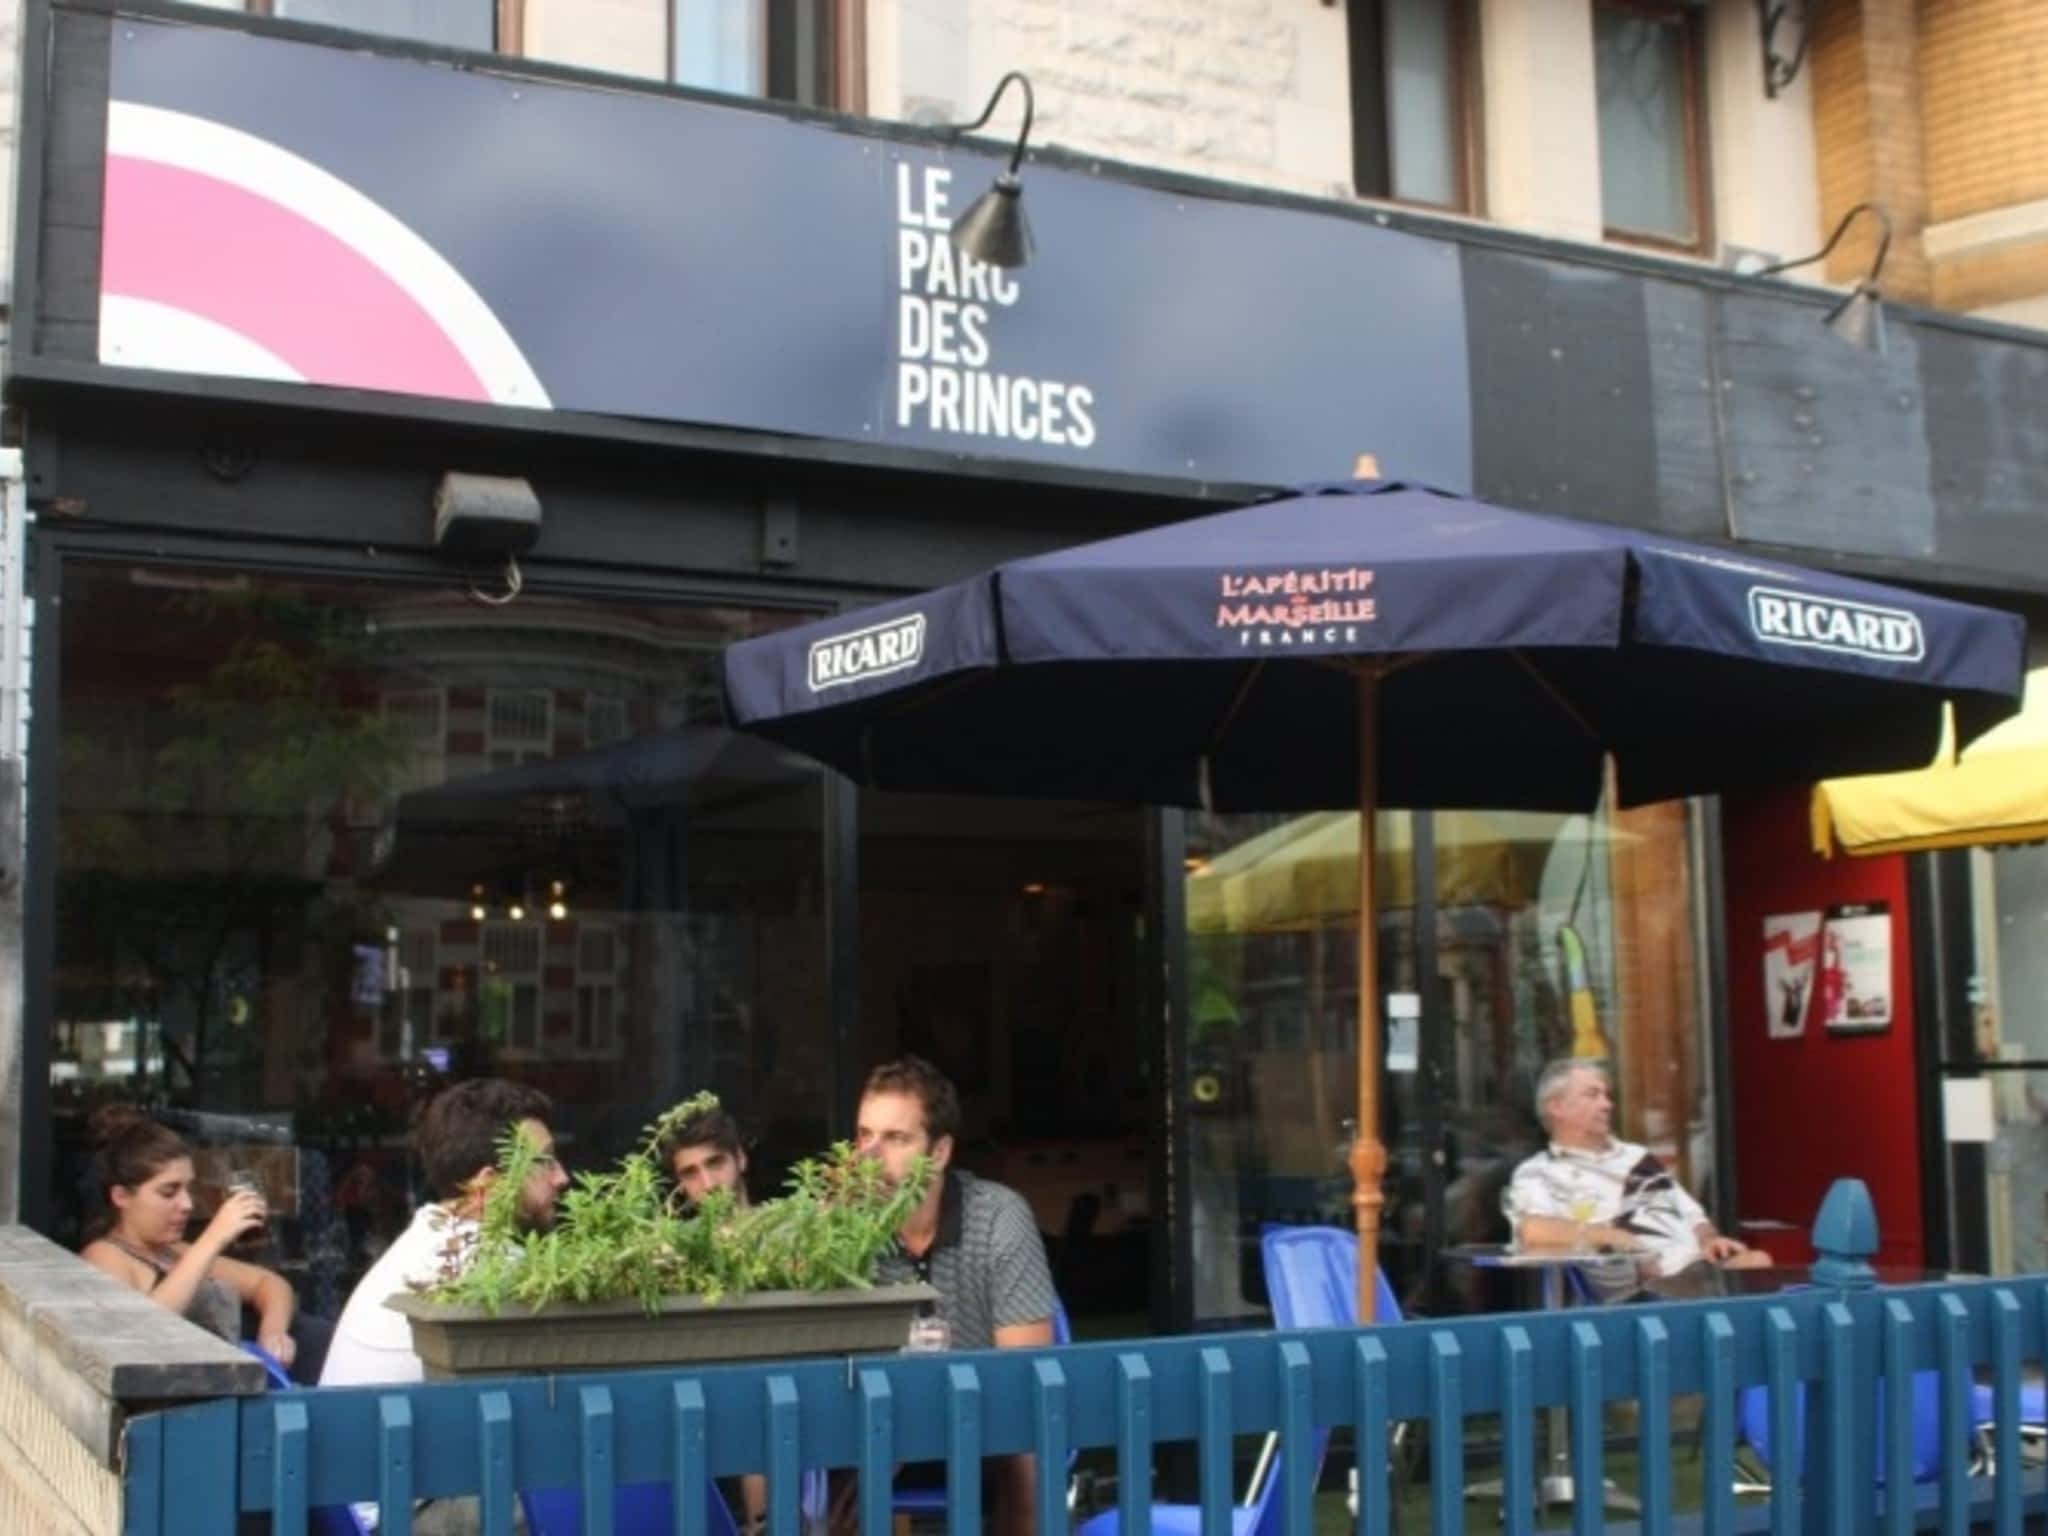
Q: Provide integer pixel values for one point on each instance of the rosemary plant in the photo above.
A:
(621, 1235)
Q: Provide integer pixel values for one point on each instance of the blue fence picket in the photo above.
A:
(1653, 1429)
(1589, 1431)
(1953, 1351)
(1133, 1441)
(594, 1414)
(687, 1433)
(1899, 1402)
(2005, 1405)
(877, 1450)
(963, 1450)
(1446, 1435)
(783, 1410)
(1517, 1432)
(1369, 1415)
(1049, 1411)
(195, 1442)
(1717, 1422)
(1298, 1459)
(288, 1466)
(494, 1457)
(1215, 1449)
(142, 1478)
(1781, 1373)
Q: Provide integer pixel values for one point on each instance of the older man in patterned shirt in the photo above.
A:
(973, 1240)
(1591, 1190)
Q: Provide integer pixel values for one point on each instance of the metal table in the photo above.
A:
(1556, 1488)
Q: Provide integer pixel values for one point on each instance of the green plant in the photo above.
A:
(622, 1236)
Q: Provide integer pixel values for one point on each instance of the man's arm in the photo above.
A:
(1022, 1297)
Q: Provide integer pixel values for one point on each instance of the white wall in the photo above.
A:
(1247, 90)
(1766, 176)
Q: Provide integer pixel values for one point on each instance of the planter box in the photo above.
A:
(468, 1341)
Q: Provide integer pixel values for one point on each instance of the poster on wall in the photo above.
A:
(1856, 968)
(1791, 943)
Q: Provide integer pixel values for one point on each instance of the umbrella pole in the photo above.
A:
(1368, 1155)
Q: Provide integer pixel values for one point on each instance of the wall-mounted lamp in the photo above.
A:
(1781, 63)
(993, 229)
(1859, 318)
(487, 517)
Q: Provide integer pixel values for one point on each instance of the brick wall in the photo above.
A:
(1935, 109)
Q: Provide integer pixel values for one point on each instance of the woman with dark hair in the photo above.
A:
(143, 1171)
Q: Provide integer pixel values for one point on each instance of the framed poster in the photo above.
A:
(1856, 969)
(1791, 942)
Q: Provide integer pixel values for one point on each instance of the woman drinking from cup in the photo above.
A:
(143, 1171)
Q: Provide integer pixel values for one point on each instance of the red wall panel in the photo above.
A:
(1824, 1106)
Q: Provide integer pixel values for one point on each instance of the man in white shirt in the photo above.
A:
(457, 1142)
(1590, 1190)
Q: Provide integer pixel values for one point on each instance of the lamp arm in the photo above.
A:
(1884, 243)
(989, 111)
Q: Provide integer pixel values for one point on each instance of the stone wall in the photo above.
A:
(80, 1353)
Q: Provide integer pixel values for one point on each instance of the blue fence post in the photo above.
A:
(1841, 1419)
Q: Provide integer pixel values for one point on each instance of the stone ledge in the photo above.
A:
(60, 1315)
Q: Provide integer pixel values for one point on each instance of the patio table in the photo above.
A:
(1556, 1488)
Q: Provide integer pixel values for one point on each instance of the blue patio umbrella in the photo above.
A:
(1379, 644)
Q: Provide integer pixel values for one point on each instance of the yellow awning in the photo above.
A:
(1997, 792)
(1303, 874)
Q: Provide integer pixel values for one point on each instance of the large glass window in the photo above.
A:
(1409, 66)
(1552, 936)
(451, 23)
(806, 51)
(1002, 939)
(2000, 1115)
(1646, 68)
(323, 846)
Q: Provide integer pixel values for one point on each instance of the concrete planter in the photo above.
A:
(468, 1341)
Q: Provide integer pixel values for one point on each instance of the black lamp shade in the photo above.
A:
(993, 229)
(1859, 319)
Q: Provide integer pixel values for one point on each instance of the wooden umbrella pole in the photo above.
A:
(1368, 1154)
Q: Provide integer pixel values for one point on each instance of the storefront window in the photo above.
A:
(1552, 936)
(2009, 1104)
(323, 847)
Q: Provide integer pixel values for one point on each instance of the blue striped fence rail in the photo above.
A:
(1816, 1354)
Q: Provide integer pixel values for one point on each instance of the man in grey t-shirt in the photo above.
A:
(973, 1240)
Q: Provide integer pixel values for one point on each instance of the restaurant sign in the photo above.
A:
(293, 212)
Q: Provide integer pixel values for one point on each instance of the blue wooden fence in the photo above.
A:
(1820, 1351)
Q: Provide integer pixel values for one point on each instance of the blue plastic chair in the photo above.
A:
(638, 1509)
(1753, 1417)
(1311, 1280)
(932, 1501)
(329, 1519)
(1984, 1416)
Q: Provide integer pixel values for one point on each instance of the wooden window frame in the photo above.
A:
(1689, 21)
(508, 24)
(1372, 131)
(822, 41)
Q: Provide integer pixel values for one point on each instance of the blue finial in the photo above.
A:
(1845, 1237)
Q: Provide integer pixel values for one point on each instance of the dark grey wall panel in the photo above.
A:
(1987, 440)
(1824, 442)
(1561, 389)
(1691, 491)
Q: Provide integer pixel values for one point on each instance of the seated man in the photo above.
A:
(703, 1154)
(457, 1144)
(1590, 1190)
(975, 1242)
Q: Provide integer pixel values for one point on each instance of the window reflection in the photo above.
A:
(1649, 171)
(1554, 936)
(323, 846)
